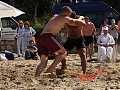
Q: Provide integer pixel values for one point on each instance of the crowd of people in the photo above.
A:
(24, 34)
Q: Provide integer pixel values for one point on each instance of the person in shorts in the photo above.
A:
(76, 39)
(89, 33)
(47, 43)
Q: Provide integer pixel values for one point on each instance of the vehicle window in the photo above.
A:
(9, 22)
(94, 15)
(109, 14)
(5, 22)
(116, 15)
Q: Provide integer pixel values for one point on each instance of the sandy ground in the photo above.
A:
(19, 75)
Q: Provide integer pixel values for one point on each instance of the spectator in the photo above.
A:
(20, 38)
(113, 30)
(29, 32)
(105, 23)
(31, 51)
(89, 32)
(105, 43)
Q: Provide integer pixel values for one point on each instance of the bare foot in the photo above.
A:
(52, 73)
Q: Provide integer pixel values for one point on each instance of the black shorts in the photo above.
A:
(118, 41)
(71, 43)
(88, 40)
(115, 39)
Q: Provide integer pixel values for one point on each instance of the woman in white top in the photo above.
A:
(20, 38)
(29, 32)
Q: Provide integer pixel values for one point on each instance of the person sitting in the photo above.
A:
(105, 43)
(31, 51)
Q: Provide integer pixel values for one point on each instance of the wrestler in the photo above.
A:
(75, 39)
(47, 43)
(89, 31)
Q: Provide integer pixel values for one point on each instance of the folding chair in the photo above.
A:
(114, 56)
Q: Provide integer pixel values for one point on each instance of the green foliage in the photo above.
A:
(40, 23)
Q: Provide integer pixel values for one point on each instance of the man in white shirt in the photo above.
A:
(105, 42)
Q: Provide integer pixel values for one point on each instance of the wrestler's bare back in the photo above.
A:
(75, 32)
(56, 23)
(88, 29)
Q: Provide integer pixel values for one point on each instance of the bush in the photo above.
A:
(40, 24)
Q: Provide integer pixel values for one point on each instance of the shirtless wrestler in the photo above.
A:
(75, 39)
(47, 43)
(88, 31)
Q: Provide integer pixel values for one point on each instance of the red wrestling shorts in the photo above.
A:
(47, 43)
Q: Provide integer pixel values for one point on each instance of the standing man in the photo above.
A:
(113, 30)
(75, 39)
(47, 43)
(20, 38)
(89, 31)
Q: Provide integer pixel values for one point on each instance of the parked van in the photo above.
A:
(8, 26)
(97, 11)
(8, 29)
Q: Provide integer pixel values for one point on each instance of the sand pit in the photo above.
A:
(19, 75)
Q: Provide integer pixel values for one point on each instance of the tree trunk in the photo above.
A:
(35, 13)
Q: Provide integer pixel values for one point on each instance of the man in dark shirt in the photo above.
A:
(31, 51)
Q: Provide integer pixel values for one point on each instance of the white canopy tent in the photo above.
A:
(7, 10)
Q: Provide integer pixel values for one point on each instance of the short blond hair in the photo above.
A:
(66, 9)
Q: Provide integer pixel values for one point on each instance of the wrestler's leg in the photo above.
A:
(60, 56)
(41, 66)
(87, 52)
(63, 62)
(82, 54)
(91, 50)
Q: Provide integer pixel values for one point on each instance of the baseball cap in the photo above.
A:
(113, 21)
(105, 28)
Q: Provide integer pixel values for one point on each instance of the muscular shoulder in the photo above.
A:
(70, 21)
(55, 15)
(80, 22)
(90, 23)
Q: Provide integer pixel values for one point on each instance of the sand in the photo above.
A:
(18, 74)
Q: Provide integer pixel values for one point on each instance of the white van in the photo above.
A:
(8, 26)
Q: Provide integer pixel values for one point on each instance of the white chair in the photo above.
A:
(113, 58)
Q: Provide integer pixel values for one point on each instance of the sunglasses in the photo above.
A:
(105, 21)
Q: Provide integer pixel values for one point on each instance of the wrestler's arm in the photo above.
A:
(93, 27)
(80, 21)
(54, 16)
(70, 21)
(100, 29)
